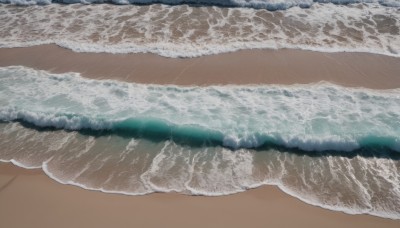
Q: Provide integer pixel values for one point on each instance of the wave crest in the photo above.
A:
(317, 117)
(197, 136)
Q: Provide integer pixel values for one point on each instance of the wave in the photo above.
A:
(318, 117)
(189, 51)
(196, 136)
(187, 31)
(258, 4)
(134, 166)
(327, 145)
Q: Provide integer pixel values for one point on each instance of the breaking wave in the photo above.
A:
(317, 117)
(327, 145)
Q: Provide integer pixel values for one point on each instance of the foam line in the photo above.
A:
(258, 4)
(182, 31)
(316, 117)
(279, 184)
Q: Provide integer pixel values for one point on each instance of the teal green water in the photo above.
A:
(318, 117)
(327, 145)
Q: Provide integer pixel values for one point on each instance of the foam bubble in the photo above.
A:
(316, 117)
(258, 4)
(167, 157)
(184, 31)
(217, 171)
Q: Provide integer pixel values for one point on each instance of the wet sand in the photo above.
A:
(243, 67)
(28, 198)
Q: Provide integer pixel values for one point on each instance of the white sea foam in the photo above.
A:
(223, 172)
(184, 31)
(259, 4)
(310, 117)
(315, 117)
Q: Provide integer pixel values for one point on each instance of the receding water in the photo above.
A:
(327, 145)
(191, 31)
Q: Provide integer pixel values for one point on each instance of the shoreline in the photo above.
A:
(29, 196)
(66, 206)
(285, 66)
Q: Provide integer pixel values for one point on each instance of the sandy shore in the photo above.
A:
(28, 198)
(243, 67)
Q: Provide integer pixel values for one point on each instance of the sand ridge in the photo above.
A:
(243, 67)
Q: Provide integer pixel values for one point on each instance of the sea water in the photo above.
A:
(331, 146)
(190, 31)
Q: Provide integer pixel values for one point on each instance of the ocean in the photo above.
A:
(328, 145)
(192, 31)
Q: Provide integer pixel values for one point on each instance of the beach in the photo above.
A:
(285, 67)
(29, 198)
(199, 113)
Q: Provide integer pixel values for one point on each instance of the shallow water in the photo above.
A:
(327, 145)
(191, 31)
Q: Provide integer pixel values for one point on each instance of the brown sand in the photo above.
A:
(243, 67)
(28, 198)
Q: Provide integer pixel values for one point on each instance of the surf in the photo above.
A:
(185, 31)
(136, 139)
(315, 117)
(271, 5)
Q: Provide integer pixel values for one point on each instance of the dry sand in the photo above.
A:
(28, 198)
(243, 67)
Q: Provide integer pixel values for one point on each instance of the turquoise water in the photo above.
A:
(327, 145)
(315, 117)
